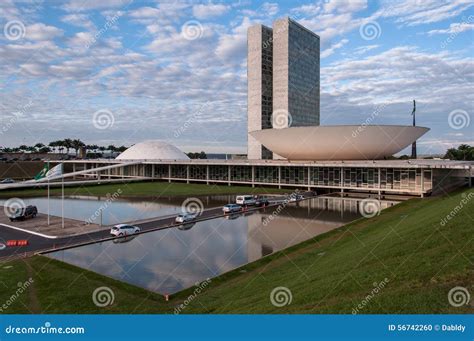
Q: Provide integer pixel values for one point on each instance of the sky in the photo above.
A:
(121, 71)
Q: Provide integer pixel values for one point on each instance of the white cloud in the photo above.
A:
(41, 31)
(87, 5)
(80, 20)
(206, 11)
(419, 12)
(232, 46)
(145, 12)
(329, 51)
(454, 28)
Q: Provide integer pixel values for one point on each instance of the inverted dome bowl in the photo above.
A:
(346, 142)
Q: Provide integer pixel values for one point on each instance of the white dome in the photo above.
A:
(152, 150)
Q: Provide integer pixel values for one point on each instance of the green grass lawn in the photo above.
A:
(145, 189)
(406, 246)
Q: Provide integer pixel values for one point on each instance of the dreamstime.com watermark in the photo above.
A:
(178, 132)
(199, 288)
(457, 208)
(108, 24)
(110, 198)
(457, 30)
(374, 292)
(22, 286)
(279, 208)
(368, 120)
(46, 329)
(16, 116)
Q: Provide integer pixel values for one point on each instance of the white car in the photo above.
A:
(122, 230)
(185, 217)
(245, 200)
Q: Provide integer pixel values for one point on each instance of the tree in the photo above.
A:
(67, 143)
(463, 153)
(76, 145)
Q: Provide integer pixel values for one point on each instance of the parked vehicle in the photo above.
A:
(295, 197)
(29, 211)
(122, 230)
(245, 200)
(7, 181)
(185, 217)
(231, 208)
(262, 202)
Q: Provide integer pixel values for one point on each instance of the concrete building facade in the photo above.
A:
(259, 86)
(283, 80)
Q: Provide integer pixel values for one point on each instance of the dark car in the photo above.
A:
(24, 213)
(262, 202)
(7, 181)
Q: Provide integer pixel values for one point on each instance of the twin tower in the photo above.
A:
(283, 80)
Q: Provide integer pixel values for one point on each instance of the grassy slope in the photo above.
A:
(152, 189)
(329, 274)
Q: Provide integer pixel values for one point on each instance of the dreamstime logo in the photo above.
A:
(14, 30)
(103, 119)
(281, 118)
(12, 205)
(192, 206)
(2, 246)
(281, 296)
(369, 207)
(103, 297)
(370, 30)
(458, 296)
(459, 119)
(192, 30)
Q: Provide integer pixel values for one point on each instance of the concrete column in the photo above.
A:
(279, 176)
(379, 177)
(253, 176)
(229, 173)
(74, 170)
(187, 174)
(153, 171)
(422, 181)
(169, 173)
(207, 174)
(309, 178)
(342, 181)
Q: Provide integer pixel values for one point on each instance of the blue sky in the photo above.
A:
(121, 71)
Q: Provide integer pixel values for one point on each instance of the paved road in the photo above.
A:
(37, 243)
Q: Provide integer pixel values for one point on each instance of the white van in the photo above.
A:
(245, 200)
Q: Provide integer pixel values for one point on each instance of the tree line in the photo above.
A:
(64, 147)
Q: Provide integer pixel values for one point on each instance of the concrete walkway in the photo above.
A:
(39, 226)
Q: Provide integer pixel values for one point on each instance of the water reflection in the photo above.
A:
(88, 208)
(170, 260)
